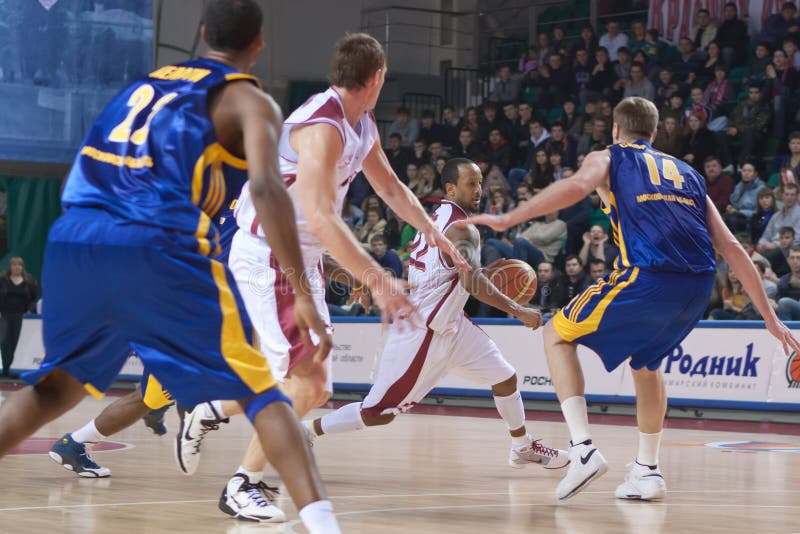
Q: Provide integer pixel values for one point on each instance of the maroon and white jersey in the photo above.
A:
(321, 108)
(437, 293)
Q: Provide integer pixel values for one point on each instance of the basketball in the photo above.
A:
(794, 368)
(515, 279)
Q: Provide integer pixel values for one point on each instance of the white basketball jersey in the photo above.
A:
(321, 108)
(439, 296)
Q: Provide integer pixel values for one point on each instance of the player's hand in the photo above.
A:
(529, 317)
(435, 238)
(390, 294)
(308, 320)
(500, 223)
(782, 334)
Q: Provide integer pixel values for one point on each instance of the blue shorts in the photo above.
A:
(113, 287)
(635, 314)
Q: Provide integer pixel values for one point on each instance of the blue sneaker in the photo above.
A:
(77, 457)
(154, 420)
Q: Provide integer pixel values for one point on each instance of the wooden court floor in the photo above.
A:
(424, 473)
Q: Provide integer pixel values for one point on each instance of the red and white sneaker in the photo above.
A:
(534, 452)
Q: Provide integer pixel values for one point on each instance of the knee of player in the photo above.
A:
(506, 387)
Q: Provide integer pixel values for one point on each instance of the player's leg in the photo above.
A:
(28, 409)
(644, 480)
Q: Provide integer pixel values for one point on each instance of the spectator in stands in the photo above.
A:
(500, 202)
(556, 81)
(518, 136)
(788, 295)
(19, 293)
(407, 127)
(587, 40)
(451, 127)
(386, 257)
(597, 269)
(440, 161)
(780, 25)
(559, 44)
(506, 88)
(675, 109)
(744, 199)
(669, 138)
(530, 61)
(466, 147)
(781, 85)
(374, 224)
(538, 134)
(549, 296)
(719, 186)
(713, 60)
(412, 175)
(420, 155)
(613, 39)
(472, 122)
(541, 172)
(638, 39)
(597, 139)
(499, 151)
(704, 29)
(650, 66)
(555, 158)
(399, 156)
(622, 67)
(597, 217)
(735, 302)
(697, 104)
(638, 84)
(788, 216)
(429, 131)
(757, 71)
(572, 121)
(747, 125)
(764, 212)
(699, 142)
(653, 46)
(596, 245)
(425, 186)
(732, 36)
(790, 162)
(491, 120)
(603, 78)
(543, 40)
(719, 91)
(685, 67)
(665, 88)
(560, 142)
(541, 241)
(792, 51)
(582, 74)
(577, 279)
(436, 149)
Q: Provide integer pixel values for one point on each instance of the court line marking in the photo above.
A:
(417, 495)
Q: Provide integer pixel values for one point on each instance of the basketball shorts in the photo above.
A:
(112, 287)
(154, 395)
(269, 299)
(415, 360)
(635, 314)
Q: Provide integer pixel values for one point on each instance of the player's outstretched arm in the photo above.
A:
(333, 270)
(738, 260)
(319, 147)
(466, 239)
(562, 194)
(403, 202)
(261, 120)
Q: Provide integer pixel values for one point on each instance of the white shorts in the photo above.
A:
(269, 300)
(414, 361)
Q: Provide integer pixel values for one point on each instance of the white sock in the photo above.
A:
(318, 518)
(511, 410)
(254, 476)
(520, 441)
(648, 448)
(88, 434)
(345, 419)
(577, 417)
(216, 407)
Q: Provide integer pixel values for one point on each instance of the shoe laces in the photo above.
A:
(90, 463)
(538, 448)
(260, 493)
(206, 426)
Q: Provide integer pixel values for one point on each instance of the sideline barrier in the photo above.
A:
(721, 364)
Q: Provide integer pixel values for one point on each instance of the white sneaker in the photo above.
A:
(536, 453)
(586, 465)
(250, 502)
(642, 482)
(194, 427)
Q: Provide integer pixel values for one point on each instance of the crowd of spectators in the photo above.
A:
(543, 117)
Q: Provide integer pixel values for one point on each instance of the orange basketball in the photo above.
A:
(794, 368)
(515, 279)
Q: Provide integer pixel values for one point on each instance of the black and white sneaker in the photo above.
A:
(250, 502)
(643, 482)
(194, 427)
(586, 464)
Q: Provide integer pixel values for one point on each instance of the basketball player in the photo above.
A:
(138, 202)
(665, 227)
(415, 359)
(324, 144)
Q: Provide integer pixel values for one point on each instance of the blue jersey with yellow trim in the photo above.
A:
(658, 211)
(152, 156)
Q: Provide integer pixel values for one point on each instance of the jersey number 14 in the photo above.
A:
(669, 171)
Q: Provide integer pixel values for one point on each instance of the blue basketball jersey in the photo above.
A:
(658, 211)
(152, 156)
